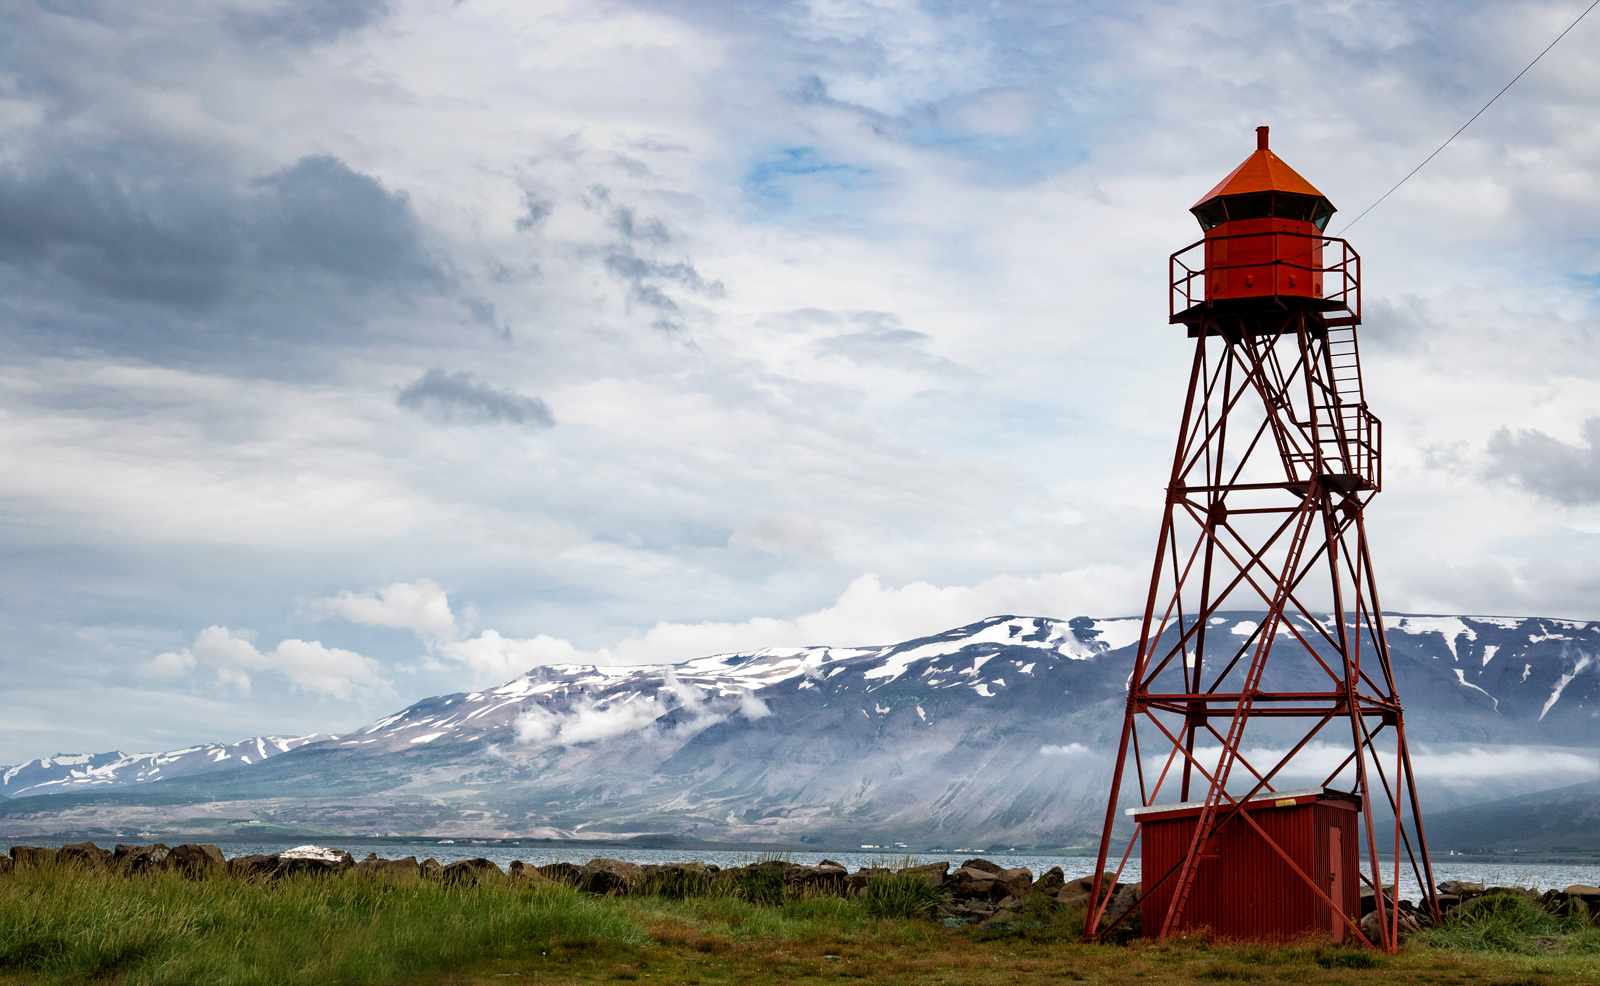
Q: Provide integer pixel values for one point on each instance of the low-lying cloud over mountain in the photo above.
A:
(999, 731)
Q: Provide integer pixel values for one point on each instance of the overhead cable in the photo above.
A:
(1464, 126)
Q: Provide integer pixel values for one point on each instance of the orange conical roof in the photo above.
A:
(1262, 171)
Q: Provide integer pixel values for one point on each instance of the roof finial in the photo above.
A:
(1261, 138)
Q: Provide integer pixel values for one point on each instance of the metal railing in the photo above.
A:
(1341, 280)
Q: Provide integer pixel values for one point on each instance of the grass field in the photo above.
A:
(68, 926)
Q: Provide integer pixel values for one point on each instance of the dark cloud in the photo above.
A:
(457, 397)
(320, 214)
(308, 21)
(94, 227)
(125, 250)
(1547, 467)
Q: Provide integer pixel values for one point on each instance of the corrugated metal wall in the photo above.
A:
(1247, 890)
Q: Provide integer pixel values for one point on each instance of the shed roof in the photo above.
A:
(1262, 171)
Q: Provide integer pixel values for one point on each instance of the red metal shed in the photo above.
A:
(1244, 889)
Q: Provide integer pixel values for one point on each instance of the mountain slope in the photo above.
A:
(78, 771)
(1565, 821)
(1001, 731)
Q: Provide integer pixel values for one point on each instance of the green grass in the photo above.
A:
(1507, 923)
(902, 895)
(62, 926)
(75, 926)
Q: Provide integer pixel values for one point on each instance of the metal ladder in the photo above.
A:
(1347, 440)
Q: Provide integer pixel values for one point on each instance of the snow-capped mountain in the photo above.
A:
(1001, 731)
(77, 771)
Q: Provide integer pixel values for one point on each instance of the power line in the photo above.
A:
(1464, 126)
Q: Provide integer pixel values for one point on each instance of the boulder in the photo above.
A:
(312, 861)
(194, 861)
(1461, 888)
(85, 855)
(1589, 895)
(677, 879)
(1369, 900)
(431, 867)
(5, 865)
(1124, 898)
(560, 872)
(1078, 891)
(1019, 881)
(857, 883)
(981, 864)
(406, 869)
(141, 859)
(994, 885)
(31, 856)
(968, 911)
(999, 918)
(1372, 929)
(934, 873)
(1051, 882)
(608, 877)
(252, 867)
(470, 871)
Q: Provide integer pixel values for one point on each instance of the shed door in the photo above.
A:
(1336, 881)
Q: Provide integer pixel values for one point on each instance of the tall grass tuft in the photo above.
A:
(902, 895)
(1503, 922)
(69, 924)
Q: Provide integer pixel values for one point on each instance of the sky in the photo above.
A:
(356, 351)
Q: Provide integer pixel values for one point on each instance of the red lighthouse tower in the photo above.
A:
(1263, 773)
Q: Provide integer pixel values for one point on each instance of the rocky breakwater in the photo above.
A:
(1462, 901)
(976, 892)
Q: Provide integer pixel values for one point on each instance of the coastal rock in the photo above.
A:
(827, 877)
(563, 872)
(608, 877)
(252, 867)
(312, 861)
(1051, 882)
(857, 883)
(22, 856)
(5, 865)
(1461, 888)
(675, 879)
(1080, 890)
(404, 869)
(141, 859)
(431, 867)
(470, 871)
(193, 860)
(85, 855)
(981, 864)
(934, 873)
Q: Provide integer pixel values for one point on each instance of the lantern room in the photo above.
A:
(1264, 234)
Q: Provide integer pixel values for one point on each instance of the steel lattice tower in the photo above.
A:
(1276, 462)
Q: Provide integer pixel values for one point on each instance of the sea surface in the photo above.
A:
(1503, 874)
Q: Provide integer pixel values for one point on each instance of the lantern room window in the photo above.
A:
(1264, 205)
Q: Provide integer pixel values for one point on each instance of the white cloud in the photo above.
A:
(1465, 764)
(865, 613)
(1070, 750)
(308, 665)
(421, 607)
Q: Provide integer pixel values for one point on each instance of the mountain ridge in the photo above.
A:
(998, 730)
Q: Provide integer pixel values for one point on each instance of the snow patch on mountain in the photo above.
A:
(75, 771)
